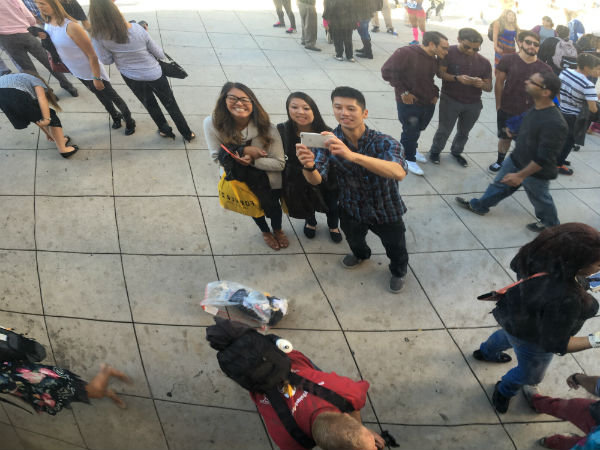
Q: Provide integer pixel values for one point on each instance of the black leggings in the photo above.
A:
(342, 37)
(145, 91)
(331, 200)
(109, 99)
(275, 214)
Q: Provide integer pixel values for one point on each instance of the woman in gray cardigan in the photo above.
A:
(136, 56)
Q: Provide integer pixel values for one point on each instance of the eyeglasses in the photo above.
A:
(233, 99)
(541, 86)
(534, 43)
(468, 47)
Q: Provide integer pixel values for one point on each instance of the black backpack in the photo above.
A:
(16, 347)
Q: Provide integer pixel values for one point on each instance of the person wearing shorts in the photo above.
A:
(417, 17)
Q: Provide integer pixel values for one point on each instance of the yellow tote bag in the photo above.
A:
(236, 196)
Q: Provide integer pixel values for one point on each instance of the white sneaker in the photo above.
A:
(414, 168)
(420, 158)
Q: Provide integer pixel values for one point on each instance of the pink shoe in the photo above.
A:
(290, 30)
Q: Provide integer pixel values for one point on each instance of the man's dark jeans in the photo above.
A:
(570, 142)
(537, 191)
(391, 235)
(414, 119)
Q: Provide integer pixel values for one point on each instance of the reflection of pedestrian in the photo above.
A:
(465, 73)
(541, 315)
(416, 16)
(387, 18)
(505, 30)
(287, 4)
(342, 18)
(49, 389)
(438, 6)
(532, 164)
(308, 18)
(545, 30)
(584, 413)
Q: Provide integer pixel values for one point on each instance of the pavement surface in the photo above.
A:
(104, 258)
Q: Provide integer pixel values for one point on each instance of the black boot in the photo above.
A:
(367, 51)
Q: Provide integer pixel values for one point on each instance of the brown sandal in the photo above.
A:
(281, 238)
(271, 241)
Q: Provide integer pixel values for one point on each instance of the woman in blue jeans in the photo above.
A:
(540, 315)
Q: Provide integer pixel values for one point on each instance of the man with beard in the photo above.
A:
(533, 161)
(511, 98)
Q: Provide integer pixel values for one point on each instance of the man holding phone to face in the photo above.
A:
(369, 165)
(465, 74)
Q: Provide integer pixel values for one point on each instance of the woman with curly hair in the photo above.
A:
(541, 314)
(241, 124)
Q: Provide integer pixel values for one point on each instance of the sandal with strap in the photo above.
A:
(500, 358)
(271, 241)
(281, 238)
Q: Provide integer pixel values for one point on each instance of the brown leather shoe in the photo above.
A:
(271, 241)
(281, 238)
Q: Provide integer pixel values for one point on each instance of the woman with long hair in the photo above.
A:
(505, 30)
(75, 49)
(302, 198)
(136, 56)
(541, 314)
(241, 124)
(25, 99)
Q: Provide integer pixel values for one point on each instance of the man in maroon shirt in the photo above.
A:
(511, 99)
(465, 73)
(410, 70)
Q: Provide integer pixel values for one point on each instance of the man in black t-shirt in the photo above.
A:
(533, 161)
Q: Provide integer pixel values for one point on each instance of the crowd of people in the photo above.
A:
(352, 176)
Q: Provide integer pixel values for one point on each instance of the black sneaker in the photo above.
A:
(495, 167)
(434, 158)
(396, 284)
(350, 261)
(467, 205)
(500, 401)
(536, 227)
(375, 29)
(462, 161)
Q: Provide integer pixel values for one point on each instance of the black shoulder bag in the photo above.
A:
(171, 69)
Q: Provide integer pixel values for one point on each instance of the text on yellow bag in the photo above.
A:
(236, 196)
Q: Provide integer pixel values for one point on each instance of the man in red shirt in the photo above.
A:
(286, 386)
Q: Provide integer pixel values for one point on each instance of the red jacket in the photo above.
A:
(306, 407)
(411, 69)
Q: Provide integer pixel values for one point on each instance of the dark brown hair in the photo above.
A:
(562, 251)
(58, 12)
(107, 22)
(50, 96)
(225, 124)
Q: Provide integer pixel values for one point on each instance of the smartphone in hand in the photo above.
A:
(314, 140)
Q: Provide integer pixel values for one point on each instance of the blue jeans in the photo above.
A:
(363, 29)
(535, 188)
(414, 119)
(532, 361)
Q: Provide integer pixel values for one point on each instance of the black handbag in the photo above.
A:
(171, 69)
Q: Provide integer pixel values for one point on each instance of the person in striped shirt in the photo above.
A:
(575, 90)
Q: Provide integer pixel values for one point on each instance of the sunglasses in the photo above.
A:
(233, 99)
(534, 43)
(468, 47)
(541, 86)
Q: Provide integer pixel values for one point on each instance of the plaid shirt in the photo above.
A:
(32, 7)
(367, 197)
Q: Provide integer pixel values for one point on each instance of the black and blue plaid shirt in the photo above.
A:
(367, 197)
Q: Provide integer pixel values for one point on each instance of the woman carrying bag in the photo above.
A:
(241, 125)
(26, 99)
(303, 199)
(135, 54)
(77, 53)
(541, 314)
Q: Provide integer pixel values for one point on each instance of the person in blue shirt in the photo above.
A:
(369, 165)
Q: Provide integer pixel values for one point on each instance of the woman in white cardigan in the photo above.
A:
(241, 124)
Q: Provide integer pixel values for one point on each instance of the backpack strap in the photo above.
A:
(322, 392)
(495, 296)
(287, 419)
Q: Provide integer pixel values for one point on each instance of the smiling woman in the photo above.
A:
(254, 153)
